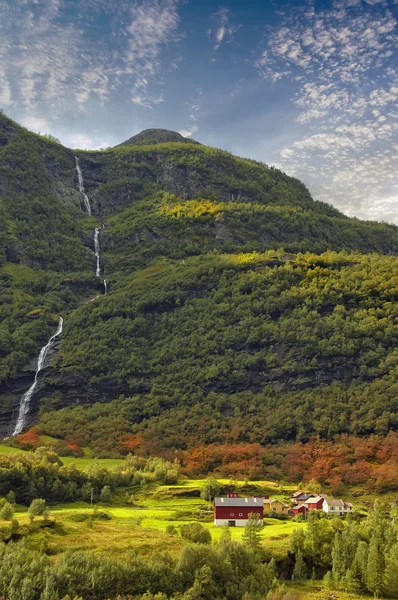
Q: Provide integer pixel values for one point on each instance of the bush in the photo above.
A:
(196, 533)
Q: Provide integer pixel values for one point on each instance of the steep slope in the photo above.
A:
(277, 346)
(193, 329)
(45, 269)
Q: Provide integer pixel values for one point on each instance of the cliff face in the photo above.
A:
(166, 209)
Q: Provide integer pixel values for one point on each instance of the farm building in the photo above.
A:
(336, 507)
(314, 503)
(275, 505)
(299, 509)
(300, 497)
(235, 511)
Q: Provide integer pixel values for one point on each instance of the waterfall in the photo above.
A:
(81, 186)
(97, 249)
(97, 237)
(26, 398)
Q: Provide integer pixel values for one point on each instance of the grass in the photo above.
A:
(81, 463)
(315, 590)
(143, 525)
(8, 449)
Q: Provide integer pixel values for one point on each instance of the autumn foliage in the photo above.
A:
(348, 461)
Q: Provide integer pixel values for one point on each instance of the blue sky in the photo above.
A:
(309, 86)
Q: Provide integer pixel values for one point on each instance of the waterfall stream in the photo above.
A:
(97, 236)
(26, 398)
(97, 250)
(81, 186)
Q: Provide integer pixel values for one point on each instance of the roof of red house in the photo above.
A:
(299, 506)
(239, 502)
(303, 497)
(314, 499)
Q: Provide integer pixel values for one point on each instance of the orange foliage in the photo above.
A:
(132, 443)
(29, 440)
(371, 462)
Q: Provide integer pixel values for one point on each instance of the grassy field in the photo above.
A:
(143, 526)
(81, 463)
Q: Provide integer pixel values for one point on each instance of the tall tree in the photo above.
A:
(251, 535)
(376, 566)
(300, 569)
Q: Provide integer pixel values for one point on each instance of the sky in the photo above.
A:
(307, 85)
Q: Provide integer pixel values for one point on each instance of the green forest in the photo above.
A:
(283, 347)
(235, 302)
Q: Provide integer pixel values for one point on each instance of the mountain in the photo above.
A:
(148, 137)
(236, 304)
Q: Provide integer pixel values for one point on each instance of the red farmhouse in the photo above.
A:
(235, 511)
(300, 509)
(314, 503)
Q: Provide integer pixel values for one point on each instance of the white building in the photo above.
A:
(337, 507)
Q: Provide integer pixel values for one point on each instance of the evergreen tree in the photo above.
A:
(350, 583)
(375, 566)
(11, 497)
(300, 568)
(338, 558)
(360, 562)
(106, 493)
(328, 581)
(7, 512)
(391, 573)
(251, 535)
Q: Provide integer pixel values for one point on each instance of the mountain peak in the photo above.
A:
(156, 136)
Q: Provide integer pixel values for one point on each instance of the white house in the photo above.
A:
(336, 507)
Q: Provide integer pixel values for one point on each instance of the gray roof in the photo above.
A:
(333, 502)
(239, 502)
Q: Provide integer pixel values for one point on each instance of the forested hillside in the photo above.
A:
(235, 302)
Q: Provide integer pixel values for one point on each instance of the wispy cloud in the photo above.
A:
(342, 63)
(223, 31)
(154, 24)
(55, 58)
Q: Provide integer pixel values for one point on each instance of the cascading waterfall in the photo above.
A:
(26, 398)
(81, 186)
(97, 249)
(97, 236)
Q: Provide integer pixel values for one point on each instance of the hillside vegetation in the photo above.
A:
(236, 303)
(280, 347)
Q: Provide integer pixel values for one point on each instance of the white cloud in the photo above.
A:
(188, 131)
(346, 152)
(36, 124)
(53, 60)
(154, 24)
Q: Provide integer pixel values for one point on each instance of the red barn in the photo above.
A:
(235, 511)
